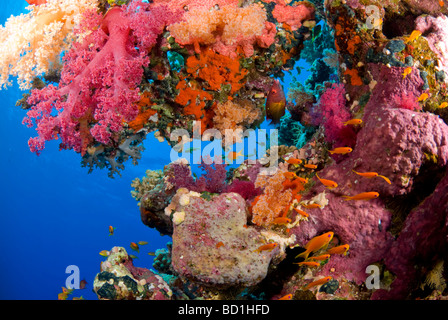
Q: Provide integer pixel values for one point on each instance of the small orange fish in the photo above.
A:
(302, 213)
(310, 166)
(134, 246)
(312, 264)
(287, 297)
(316, 243)
(443, 105)
(281, 220)
(328, 183)
(65, 293)
(407, 71)
(302, 180)
(310, 206)
(441, 3)
(267, 247)
(111, 230)
(343, 249)
(353, 122)
(82, 284)
(385, 178)
(341, 150)
(290, 175)
(366, 174)
(318, 282)
(219, 244)
(423, 97)
(234, 155)
(104, 253)
(414, 36)
(294, 161)
(275, 103)
(320, 258)
(363, 196)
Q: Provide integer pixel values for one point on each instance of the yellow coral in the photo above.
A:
(32, 42)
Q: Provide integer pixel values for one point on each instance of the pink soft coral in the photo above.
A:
(332, 113)
(99, 81)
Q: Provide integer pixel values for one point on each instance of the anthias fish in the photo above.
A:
(318, 282)
(341, 150)
(267, 247)
(343, 249)
(328, 183)
(353, 122)
(363, 196)
(275, 103)
(315, 244)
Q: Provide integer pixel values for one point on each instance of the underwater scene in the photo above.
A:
(224, 150)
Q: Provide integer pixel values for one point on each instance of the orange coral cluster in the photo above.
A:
(273, 201)
(145, 112)
(194, 99)
(216, 70)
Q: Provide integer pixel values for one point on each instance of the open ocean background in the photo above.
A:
(54, 214)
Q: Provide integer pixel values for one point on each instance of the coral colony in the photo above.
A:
(345, 198)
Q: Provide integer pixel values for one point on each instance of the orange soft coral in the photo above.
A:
(216, 70)
(145, 112)
(224, 28)
(274, 200)
(235, 115)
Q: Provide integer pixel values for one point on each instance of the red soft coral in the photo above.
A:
(100, 78)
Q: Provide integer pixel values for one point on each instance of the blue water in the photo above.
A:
(54, 214)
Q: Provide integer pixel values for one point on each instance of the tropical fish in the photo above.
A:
(294, 161)
(104, 253)
(287, 297)
(134, 246)
(78, 298)
(311, 205)
(310, 166)
(341, 150)
(219, 244)
(316, 243)
(320, 258)
(152, 253)
(363, 196)
(267, 247)
(318, 282)
(133, 256)
(385, 178)
(353, 122)
(302, 180)
(82, 284)
(414, 36)
(441, 3)
(111, 230)
(407, 71)
(290, 175)
(328, 183)
(309, 264)
(366, 174)
(142, 243)
(275, 103)
(343, 249)
(65, 293)
(281, 220)
(234, 155)
(443, 105)
(423, 97)
(302, 213)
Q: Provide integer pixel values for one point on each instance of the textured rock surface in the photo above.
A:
(212, 247)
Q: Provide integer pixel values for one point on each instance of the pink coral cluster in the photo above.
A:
(332, 112)
(99, 81)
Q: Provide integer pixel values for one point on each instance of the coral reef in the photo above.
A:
(360, 177)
